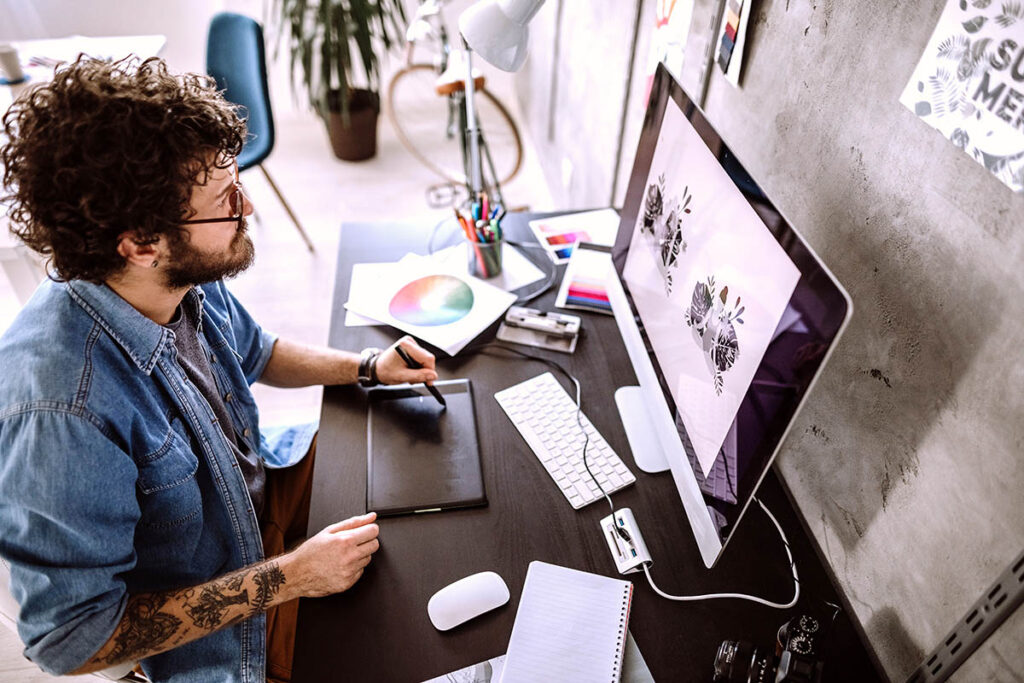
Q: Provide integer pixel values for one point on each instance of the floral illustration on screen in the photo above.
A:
(663, 223)
(713, 322)
(654, 205)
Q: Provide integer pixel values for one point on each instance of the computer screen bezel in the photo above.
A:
(665, 89)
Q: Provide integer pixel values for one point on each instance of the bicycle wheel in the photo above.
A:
(429, 129)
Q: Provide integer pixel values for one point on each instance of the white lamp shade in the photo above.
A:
(498, 31)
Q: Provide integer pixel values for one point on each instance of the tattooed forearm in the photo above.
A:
(156, 622)
(207, 612)
(269, 579)
(143, 628)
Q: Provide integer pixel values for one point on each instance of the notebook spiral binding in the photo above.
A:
(627, 598)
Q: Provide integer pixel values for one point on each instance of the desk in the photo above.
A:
(379, 629)
(39, 57)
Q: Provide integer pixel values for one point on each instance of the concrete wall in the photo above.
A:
(906, 463)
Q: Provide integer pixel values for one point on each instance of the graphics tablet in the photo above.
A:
(422, 457)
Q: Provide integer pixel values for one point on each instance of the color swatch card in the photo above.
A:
(560, 234)
(732, 37)
(583, 285)
(445, 310)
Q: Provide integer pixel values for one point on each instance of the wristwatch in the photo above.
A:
(368, 367)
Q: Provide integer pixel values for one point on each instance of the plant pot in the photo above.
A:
(357, 140)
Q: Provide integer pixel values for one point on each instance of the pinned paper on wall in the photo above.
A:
(732, 38)
(668, 43)
(969, 84)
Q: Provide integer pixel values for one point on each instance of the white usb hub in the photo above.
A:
(628, 549)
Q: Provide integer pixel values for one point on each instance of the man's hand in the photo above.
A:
(334, 559)
(391, 369)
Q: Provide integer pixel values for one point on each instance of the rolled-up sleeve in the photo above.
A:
(68, 513)
(252, 343)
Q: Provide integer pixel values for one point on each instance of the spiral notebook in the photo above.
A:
(571, 626)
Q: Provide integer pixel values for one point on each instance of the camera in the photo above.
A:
(795, 658)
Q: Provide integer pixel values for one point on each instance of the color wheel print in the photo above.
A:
(432, 300)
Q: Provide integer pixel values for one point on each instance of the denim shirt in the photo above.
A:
(101, 492)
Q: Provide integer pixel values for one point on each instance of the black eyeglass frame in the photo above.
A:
(237, 198)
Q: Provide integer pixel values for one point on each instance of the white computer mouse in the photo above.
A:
(470, 597)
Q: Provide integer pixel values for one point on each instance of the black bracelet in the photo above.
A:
(367, 372)
(373, 369)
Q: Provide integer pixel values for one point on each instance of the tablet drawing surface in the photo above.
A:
(421, 456)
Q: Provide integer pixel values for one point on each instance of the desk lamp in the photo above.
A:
(498, 31)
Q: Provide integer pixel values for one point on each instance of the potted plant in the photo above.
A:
(337, 46)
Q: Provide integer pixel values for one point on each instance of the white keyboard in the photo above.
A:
(545, 415)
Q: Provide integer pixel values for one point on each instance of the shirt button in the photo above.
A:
(246, 432)
(228, 397)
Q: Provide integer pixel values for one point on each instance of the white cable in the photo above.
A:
(740, 596)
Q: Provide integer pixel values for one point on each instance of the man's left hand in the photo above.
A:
(391, 369)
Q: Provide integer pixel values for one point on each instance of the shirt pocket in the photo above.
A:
(169, 493)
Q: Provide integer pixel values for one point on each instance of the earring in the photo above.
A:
(155, 263)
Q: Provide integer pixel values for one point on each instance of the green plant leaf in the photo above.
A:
(331, 40)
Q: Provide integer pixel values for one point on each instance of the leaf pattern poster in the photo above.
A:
(709, 281)
(969, 84)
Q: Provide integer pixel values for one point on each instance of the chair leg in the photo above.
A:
(287, 208)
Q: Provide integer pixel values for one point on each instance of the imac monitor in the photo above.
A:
(728, 316)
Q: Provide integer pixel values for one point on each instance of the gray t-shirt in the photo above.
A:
(196, 364)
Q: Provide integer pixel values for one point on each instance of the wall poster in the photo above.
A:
(969, 84)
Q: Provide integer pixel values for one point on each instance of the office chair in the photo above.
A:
(235, 58)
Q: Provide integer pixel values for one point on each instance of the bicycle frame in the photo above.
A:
(428, 23)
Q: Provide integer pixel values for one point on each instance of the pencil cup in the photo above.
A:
(484, 258)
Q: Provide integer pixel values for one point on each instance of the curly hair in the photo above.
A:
(108, 148)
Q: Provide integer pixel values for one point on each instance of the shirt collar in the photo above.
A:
(141, 338)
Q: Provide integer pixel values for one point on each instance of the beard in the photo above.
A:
(189, 267)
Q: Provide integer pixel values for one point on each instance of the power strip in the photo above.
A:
(982, 619)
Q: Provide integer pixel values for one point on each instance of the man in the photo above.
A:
(142, 513)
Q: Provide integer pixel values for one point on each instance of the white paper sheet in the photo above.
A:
(370, 275)
(516, 270)
(488, 303)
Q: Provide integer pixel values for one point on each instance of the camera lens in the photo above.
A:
(737, 661)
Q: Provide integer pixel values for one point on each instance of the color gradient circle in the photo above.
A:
(432, 300)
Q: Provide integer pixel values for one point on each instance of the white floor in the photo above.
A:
(289, 290)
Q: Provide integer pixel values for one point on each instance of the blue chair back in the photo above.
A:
(235, 58)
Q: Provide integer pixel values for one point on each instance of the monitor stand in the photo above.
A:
(640, 431)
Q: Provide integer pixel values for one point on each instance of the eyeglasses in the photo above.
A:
(236, 200)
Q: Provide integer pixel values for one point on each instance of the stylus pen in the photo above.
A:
(416, 366)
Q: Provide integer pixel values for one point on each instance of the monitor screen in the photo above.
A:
(736, 314)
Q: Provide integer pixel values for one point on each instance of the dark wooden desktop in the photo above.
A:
(379, 629)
